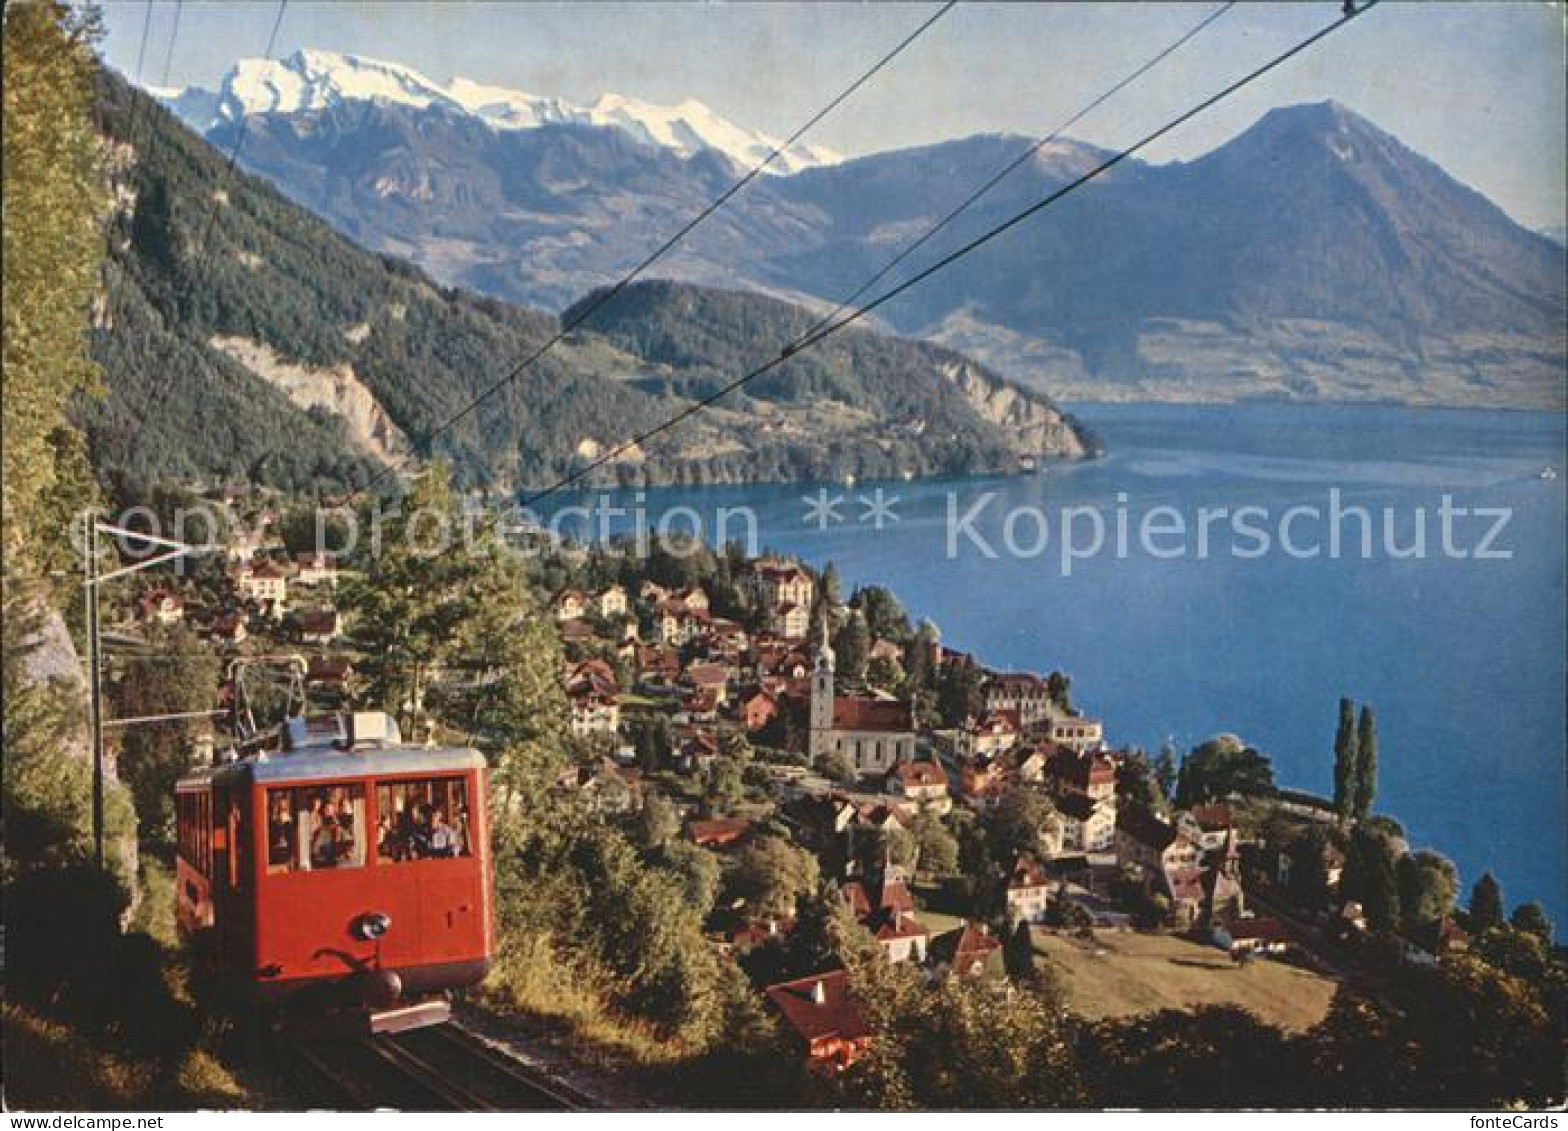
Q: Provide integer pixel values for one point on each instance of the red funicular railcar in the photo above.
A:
(346, 875)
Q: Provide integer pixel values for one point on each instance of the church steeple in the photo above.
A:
(825, 656)
(822, 692)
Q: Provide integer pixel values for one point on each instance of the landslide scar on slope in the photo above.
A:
(336, 389)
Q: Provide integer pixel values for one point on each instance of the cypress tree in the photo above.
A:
(1486, 904)
(1345, 761)
(1366, 763)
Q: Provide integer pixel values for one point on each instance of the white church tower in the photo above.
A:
(821, 740)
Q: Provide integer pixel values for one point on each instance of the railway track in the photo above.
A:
(441, 1068)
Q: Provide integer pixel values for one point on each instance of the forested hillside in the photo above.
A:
(244, 338)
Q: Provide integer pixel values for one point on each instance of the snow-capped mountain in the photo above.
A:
(311, 80)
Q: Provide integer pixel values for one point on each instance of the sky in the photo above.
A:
(1478, 88)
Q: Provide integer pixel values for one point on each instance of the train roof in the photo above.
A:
(332, 764)
(325, 753)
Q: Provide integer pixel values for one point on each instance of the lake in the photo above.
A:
(1460, 649)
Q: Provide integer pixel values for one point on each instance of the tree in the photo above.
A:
(656, 823)
(937, 847)
(1530, 918)
(181, 677)
(918, 653)
(1022, 822)
(1136, 782)
(883, 671)
(1366, 762)
(1220, 767)
(852, 644)
(1370, 877)
(959, 693)
(1059, 686)
(962, 1043)
(885, 617)
(1427, 884)
(830, 589)
(1486, 904)
(55, 203)
(697, 869)
(409, 601)
(771, 874)
(1165, 771)
(725, 787)
(1346, 761)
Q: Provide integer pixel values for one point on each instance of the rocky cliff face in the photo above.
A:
(334, 388)
(1033, 428)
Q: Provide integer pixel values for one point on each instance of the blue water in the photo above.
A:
(1462, 659)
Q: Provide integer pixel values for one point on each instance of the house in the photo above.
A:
(778, 583)
(159, 606)
(1022, 693)
(570, 604)
(870, 735)
(592, 676)
(824, 1017)
(995, 734)
(1143, 840)
(594, 713)
(1087, 825)
(698, 706)
(1253, 936)
(1074, 771)
(982, 780)
(676, 623)
(888, 911)
(757, 710)
(710, 677)
(611, 601)
(263, 582)
(318, 626)
(1028, 893)
(922, 782)
(1209, 825)
(229, 627)
(1076, 732)
(693, 597)
(902, 936)
(718, 832)
(608, 787)
(791, 621)
(316, 569)
(698, 751)
(329, 671)
(968, 951)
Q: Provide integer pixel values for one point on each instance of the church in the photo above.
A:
(871, 735)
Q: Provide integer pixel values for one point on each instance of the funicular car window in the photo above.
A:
(422, 819)
(314, 827)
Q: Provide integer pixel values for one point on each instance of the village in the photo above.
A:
(971, 821)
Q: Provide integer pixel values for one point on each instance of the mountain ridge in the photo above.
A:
(280, 352)
(313, 80)
(1312, 256)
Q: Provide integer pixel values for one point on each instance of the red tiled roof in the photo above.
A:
(915, 775)
(964, 947)
(1211, 817)
(1025, 874)
(853, 713)
(718, 832)
(836, 1015)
